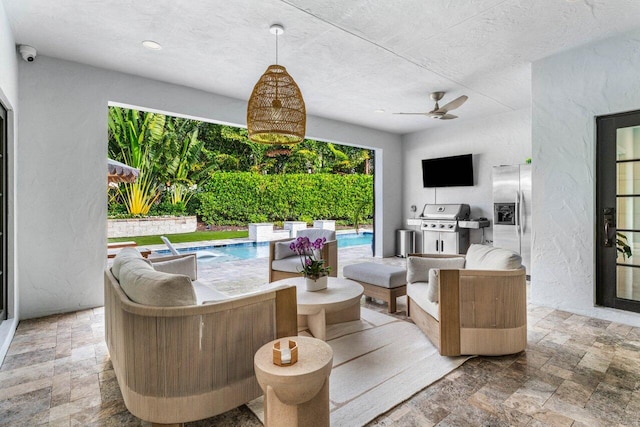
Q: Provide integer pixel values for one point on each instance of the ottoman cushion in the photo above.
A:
(385, 276)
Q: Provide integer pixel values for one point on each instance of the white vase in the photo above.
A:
(316, 284)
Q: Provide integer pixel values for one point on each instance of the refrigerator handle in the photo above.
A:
(517, 212)
(522, 218)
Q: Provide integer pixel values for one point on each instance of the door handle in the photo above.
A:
(609, 221)
(436, 245)
(442, 246)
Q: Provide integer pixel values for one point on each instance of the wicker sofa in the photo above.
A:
(189, 361)
(473, 304)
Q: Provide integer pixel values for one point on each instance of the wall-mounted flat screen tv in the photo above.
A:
(455, 171)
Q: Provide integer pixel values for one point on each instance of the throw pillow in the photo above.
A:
(123, 256)
(186, 265)
(282, 250)
(433, 288)
(418, 267)
(155, 288)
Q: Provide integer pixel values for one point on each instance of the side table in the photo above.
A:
(296, 395)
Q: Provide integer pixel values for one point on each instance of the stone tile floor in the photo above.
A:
(576, 371)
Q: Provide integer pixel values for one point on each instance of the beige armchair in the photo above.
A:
(285, 263)
(473, 304)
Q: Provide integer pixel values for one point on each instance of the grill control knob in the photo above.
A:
(433, 225)
(441, 225)
(450, 225)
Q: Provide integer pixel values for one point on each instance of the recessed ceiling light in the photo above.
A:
(379, 110)
(150, 44)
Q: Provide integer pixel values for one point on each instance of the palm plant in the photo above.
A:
(135, 137)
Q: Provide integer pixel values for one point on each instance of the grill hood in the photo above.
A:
(447, 211)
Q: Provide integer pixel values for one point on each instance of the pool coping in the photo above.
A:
(226, 242)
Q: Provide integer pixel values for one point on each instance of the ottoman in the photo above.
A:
(384, 282)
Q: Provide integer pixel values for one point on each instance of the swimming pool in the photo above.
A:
(249, 250)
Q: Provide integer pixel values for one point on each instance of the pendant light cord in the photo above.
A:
(276, 48)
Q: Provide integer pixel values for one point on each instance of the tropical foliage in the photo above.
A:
(180, 158)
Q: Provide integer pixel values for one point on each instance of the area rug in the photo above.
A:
(378, 362)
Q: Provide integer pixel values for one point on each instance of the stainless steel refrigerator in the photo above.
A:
(512, 210)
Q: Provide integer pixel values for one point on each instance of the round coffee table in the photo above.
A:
(340, 302)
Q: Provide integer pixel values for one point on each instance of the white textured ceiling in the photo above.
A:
(349, 57)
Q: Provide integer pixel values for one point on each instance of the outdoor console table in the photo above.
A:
(340, 302)
(296, 395)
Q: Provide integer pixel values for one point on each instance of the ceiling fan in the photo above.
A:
(441, 113)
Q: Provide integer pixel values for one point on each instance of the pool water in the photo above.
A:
(250, 250)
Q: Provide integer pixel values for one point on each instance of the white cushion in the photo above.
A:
(418, 267)
(186, 265)
(124, 255)
(385, 276)
(317, 233)
(418, 293)
(290, 265)
(144, 285)
(281, 250)
(206, 293)
(484, 257)
(433, 293)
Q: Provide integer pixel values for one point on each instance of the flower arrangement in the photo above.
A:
(309, 253)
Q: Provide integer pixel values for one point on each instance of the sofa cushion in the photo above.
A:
(290, 265)
(144, 285)
(281, 250)
(186, 265)
(206, 292)
(484, 257)
(124, 255)
(418, 267)
(418, 293)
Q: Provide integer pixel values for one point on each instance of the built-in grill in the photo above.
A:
(440, 230)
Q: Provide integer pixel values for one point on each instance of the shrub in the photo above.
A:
(237, 198)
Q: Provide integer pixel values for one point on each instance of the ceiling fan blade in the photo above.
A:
(448, 117)
(420, 114)
(453, 104)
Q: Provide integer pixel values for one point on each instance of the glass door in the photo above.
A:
(618, 210)
(3, 213)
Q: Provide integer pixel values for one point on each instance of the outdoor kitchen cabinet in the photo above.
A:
(436, 242)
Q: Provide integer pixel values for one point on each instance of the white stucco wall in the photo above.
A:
(9, 98)
(569, 90)
(62, 160)
(498, 140)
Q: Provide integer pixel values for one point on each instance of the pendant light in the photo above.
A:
(276, 112)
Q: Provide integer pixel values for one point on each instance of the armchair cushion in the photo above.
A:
(419, 292)
(484, 257)
(290, 265)
(315, 233)
(418, 267)
(281, 250)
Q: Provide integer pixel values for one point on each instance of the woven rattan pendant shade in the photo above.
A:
(276, 113)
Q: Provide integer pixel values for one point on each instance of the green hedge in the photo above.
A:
(237, 198)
